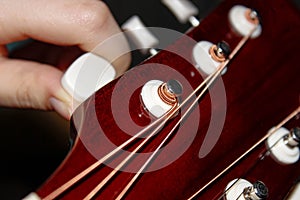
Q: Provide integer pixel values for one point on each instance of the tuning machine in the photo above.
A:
(185, 11)
(208, 56)
(284, 145)
(241, 189)
(158, 97)
(142, 38)
(245, 20)
(87, 74)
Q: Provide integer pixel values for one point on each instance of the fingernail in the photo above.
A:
(63, 96)
(60, 107)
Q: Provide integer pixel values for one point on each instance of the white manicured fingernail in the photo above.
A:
(60, 107)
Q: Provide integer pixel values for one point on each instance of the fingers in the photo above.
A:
(86, 23)
(26, 84)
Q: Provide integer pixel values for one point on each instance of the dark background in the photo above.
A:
(33, 143)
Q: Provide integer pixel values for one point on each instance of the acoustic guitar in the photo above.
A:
(210, 134)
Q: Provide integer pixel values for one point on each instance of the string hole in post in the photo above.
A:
(208, 56)
(244, 20)
(242, 189)
(158, 97)
(283, 146)
(220, 52)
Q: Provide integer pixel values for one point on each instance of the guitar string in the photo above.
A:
(150, 159)
(239, 196)
(284, 121)
(94, 166)
(217, 73)
(238, 179)
(91, 168)
(103, 182)
(292, 189)
(123, 163)
(260, 158)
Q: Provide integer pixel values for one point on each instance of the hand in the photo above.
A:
(84, 23)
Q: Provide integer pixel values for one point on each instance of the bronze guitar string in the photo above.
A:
(215, 75)
(284, 121)
(209, 80)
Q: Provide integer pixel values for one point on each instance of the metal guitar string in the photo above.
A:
(216, 74)
(166, 117)
(237, 180)
(239, 196)
(150, 159)
(292, 189)
(99, 186)
(260, 158)
(163, 119)
(284, 121)
(92, 167)
(123, 163)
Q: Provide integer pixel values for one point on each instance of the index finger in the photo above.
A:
(85, 23)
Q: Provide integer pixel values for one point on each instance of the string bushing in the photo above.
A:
(252, 16)
(220, 52)
(170, 91)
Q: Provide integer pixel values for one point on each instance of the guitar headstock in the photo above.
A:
(200, 149)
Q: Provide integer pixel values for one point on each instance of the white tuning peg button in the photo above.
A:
(159, 97)
(281, 148)
(86, 75)
(203, 59)
(243, 20)
(242, 189)
(143, 39)
(183, 10)
(32, 196)
(295, 194)
(151, 99)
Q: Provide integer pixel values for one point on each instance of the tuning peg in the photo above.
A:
(183, 10)
(143, 39)
(87, 74)
(242, 189)
(208, 56)
(159, 97)
(243, 20)
(283, 145)
(293, 138)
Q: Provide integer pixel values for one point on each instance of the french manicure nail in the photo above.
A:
(60, 107)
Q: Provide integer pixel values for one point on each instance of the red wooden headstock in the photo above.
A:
(261, 86)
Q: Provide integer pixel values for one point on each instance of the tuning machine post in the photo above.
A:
(241, 189)
(293, 138)
(208, 56)
(284, 145)
(158, 97)
(245, 20)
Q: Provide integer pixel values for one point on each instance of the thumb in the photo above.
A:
(27, 84)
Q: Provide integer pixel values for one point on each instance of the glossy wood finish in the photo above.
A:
(262, 87)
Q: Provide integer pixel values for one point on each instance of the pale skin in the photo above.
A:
(84, 23)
